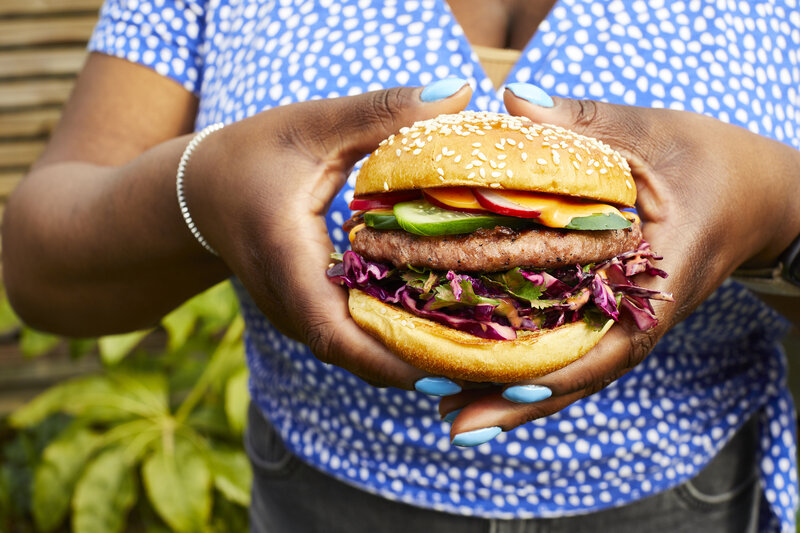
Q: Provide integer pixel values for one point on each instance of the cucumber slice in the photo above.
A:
(381, 219)
(600, 221)
(423, 218)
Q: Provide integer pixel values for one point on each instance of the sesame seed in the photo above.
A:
(399, 151)
(524, 156)
(509, 173)
(471, 175)
(499, 146)
(469, 166)
(492, 164)
(477, 162)
(385, 186)
(457, 158)
(556, 158)
(476, 145)
(438, 158)
(541, 161)
(576, 165)
(494, 185)
(589, 171)
(417, 151)
(628, 184)
(501, 156)
(512, 142)
(603, 171)
(482, 172)
(440, 171)
(496, 174)
(482, 156)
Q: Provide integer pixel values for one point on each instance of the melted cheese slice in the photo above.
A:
(355, 230)
(558, 211)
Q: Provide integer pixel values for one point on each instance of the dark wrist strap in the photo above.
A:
(791, 262)
(782, 279)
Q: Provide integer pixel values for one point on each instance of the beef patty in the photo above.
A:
(492, 250)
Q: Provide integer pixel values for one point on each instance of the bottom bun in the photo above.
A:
(444, 351)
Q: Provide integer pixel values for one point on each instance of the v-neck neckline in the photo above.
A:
(484, 83)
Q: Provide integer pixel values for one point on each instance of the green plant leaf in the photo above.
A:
(8, 318)
(33, 343)
(227, 358)
(135, 437)
(237, 399)
(233, 476)
(217, 307)
(104, 494)
(114, 348)
(178, 483)
(55, 477)
(179, 325)
(80, 347)
(117, 396)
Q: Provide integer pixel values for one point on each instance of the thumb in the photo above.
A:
(349, 127)
(625, 128)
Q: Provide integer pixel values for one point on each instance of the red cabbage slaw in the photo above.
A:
(497, 305)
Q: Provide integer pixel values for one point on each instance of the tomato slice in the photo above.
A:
(383, 200)
(503, 203)
(457, 198)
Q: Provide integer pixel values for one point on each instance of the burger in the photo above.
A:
(489, 248)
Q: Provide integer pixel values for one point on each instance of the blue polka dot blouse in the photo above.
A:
(651, 430)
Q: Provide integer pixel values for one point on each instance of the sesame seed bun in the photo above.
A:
(441, 350)
(501, 152)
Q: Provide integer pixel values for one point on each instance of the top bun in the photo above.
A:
(499, 151)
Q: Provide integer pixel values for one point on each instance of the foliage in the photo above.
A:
(152, 443)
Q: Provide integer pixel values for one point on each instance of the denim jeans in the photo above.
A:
(290, 496)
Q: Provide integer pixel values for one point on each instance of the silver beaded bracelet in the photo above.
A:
(187, 153)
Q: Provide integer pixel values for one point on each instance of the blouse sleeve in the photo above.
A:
(165, 36)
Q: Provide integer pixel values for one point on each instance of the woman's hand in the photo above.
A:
(259, 190)
(711, 197)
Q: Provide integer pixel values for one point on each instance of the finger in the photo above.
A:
(352, 126)
(621, 349)
(317, 313)
(480, 421)
(625, 128)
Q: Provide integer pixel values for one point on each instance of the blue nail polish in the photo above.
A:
(437, 386)
(449, 417)
(476, 436)
(441, 89)
(531, 93)
(527, 393)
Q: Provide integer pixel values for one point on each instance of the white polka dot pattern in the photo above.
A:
(651, 430)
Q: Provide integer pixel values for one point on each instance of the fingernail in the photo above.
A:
(449, 417)
(476, 436)
(441, 89)
(527, 393)
(531, 93)
(437, 386)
